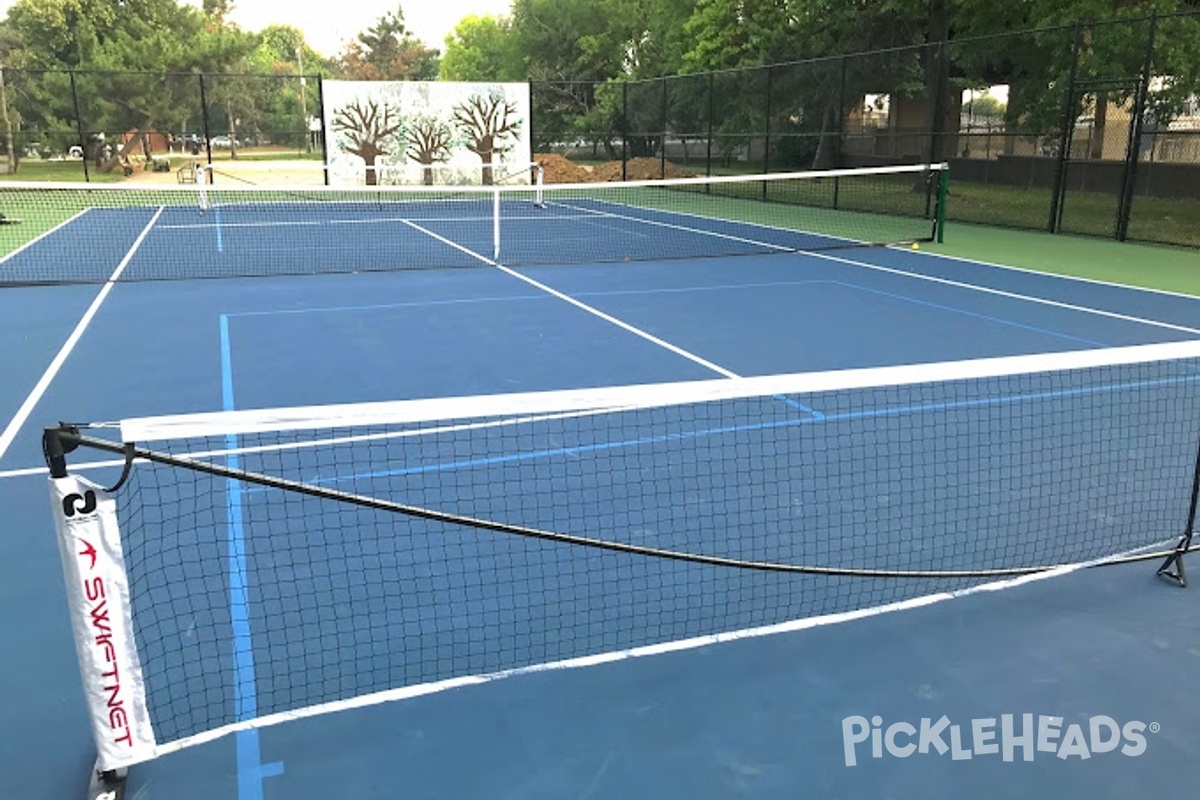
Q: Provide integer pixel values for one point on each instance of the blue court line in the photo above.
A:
(517, 297)
(250, 769)
(974, 314)
(894, 411)
(684, 290)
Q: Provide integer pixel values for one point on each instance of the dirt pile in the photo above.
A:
(640, 169)
(558, 169)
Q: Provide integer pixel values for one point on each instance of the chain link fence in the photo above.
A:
(92, 125)
(1090, 129)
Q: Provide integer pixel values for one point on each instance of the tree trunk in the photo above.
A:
(372, 176)
(823, 158)
(130, 144)
(427, 169)
(485, 154)
(937, 80)
(10, 145)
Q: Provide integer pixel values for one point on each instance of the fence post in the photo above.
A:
(767, 132)
(624, 128)
(841, 112)
(324, 133)
(10, 143)
(1064, 137)
(79, 126)
(708, 152)
(662, 130)
(204, 120)
(1134, 145)
(532, 128)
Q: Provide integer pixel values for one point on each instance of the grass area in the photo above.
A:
(1173, 269)
(34, 169)
(247, 154)
(1160, 219)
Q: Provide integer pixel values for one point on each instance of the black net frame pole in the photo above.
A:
(1172, 568)
(207, 132)
(324, 133)
(79, 126)
(1067, 126)
(1133, 146)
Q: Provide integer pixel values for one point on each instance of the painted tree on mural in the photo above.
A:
(488, 123)
(427, 141)
(366, 128)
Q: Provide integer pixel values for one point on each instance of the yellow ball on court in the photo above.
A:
(916, 246)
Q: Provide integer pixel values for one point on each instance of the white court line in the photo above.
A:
(679, 351)
(35, 396)
(44, 234)
(1013, 295)
(907, 274)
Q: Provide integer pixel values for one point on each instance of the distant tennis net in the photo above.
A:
(258, 566)
(81, 232)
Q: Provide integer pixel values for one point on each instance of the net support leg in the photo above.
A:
(1172, 569)
(107, 784)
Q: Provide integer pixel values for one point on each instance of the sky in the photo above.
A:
(327, 25)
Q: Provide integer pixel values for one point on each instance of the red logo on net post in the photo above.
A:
(96, 592)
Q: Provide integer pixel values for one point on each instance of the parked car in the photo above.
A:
(225, 141)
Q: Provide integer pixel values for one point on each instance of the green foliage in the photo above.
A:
(482, 49)
(388, 51)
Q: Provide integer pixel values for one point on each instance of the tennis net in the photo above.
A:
(265, 565)
(98, 233)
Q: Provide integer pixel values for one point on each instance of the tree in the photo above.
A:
(388, 51)
(367, 127)
(427, 141)
(482, 49)
(486, 122)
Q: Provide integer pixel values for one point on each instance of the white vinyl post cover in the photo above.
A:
(85, 518)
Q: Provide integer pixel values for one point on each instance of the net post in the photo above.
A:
(943, 192)
(55, 446)
(57, 442)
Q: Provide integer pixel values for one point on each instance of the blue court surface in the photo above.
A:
(1069, 687)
